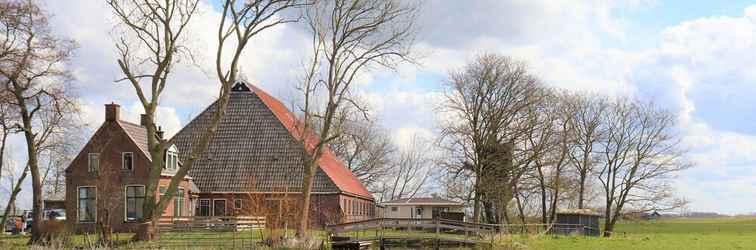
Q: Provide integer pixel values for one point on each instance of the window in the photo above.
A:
(190, 212)
(219, 207)
(179, 203)
(128, 161)
(94, 162)
(394, 209)
(437, 211)
(134, 203)
(238, 204)
(355, 210)
(87, 210)
(171, 160)
(204, 207)
(162, 190)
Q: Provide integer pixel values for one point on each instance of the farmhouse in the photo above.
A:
(252, 166)
(106, 181)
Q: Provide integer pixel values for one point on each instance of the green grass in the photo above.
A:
(685, 234)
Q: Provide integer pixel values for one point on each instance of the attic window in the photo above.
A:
(94, 162)
(240, 87)
(171, 161)
(128, 161)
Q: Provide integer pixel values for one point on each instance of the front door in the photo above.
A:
(419, 212)
(219, 207)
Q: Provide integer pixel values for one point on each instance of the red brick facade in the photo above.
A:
(110, 142)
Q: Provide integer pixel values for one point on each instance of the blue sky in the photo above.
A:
(695, 58)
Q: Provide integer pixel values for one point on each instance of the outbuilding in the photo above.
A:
(577, 221)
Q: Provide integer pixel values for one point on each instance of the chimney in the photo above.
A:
(112, 112)
(160, 132)
(143, 120)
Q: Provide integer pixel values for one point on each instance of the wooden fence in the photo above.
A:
(210, 223)
(443, 227)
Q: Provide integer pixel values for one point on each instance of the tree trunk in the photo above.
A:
(33, 164)
(490, 213)
(608, 224)
(476, 201)
(2, 151)
(608, 228)
(14, 193)
(581, 190)
(304, 219)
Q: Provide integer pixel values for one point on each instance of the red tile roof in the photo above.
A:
(328, 162)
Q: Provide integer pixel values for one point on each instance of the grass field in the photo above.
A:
(685, 234)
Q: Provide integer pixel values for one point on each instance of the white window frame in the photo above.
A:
(209, 207)
(172, 152)
(225, 206)
(125, 200)
(89, 162)
(123, 161)
(78, 205)
(176, 205)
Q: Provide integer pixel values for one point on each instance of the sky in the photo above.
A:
(695, 58)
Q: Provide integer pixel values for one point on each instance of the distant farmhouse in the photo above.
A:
(424, 208)
(252, 166)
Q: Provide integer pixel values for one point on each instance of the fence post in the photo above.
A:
(438, 233)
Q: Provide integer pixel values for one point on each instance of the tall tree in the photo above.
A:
(149, 49)
(33, 72)
(483, 101)
(639, 153)
(551, 142)
(585, 127)
(348, 37)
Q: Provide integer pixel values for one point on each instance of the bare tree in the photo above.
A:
(411, 171)
(483, 102)
(366, 149)
(33, 72)
(152, 44)
(348, 38)
(585, 128)
(8, 118)
(639, 153)
(14, 177)
(552, 144)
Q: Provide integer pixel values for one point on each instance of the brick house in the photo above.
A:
(255, 159)
(252, 166)
(106, 181)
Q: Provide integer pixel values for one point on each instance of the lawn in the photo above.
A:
(686, 234)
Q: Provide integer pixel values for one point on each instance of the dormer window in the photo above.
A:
(171, 159)
(127, 162)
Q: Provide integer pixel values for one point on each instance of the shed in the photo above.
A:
(577, 221)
